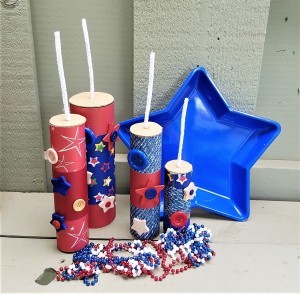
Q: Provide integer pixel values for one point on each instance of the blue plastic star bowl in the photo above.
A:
(220, 143)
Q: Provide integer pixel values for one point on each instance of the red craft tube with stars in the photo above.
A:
(101, 134)
(68, 158)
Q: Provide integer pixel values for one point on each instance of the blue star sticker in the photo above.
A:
(58, 222)
(220, 143)
(60, 185)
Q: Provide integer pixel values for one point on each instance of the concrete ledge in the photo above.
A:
(276, 180)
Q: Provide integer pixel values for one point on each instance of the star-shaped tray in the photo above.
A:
(220, 143)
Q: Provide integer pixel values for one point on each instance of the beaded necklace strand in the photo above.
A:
(188, 247)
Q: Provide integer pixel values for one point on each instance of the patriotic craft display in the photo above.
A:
(82, 155)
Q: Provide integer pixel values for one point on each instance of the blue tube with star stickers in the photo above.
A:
(101, 135)
(179, 188)
(179, 191)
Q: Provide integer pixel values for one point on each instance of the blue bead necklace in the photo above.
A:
(188, 246)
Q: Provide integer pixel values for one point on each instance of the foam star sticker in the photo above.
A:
(93, 182)
(105, 167)
(181, 178)
(99, 147)
(111, 191)
(106, 181)
(81, 235)
(75, 143)
(149, 192)
(93, 161)
(112, 151)
(60, 185)
(99, 197)
(58, 222)
(111, 136)
(107, 203)
(140, 226)
(89, 177)
(190, 191)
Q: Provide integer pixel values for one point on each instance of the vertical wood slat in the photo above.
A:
(279, 87)
(225, 36)
(22, 163)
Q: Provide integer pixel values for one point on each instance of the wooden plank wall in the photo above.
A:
(22, 164)
(225, 36)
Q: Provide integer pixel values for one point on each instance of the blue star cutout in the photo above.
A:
(60, 185)
(222, 144)
(58, 222)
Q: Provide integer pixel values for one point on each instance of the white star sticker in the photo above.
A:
(72, 229)
(106, 181)
(107, 203)
(89, 177)
(99, 197)
(140, 226)
(190, 192)
(74, 143)
(181, 178)
(62, 164)
(93, 161)
(81, 236)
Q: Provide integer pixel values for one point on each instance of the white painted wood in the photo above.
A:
(278, 95)
(236, 268)
(227, 37)
(276, 180)
(260, 255)
(21, 157)
(266, 220)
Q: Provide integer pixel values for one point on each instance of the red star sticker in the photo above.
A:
(93, 161)
(99, 197)
(146, 190)
(181, 178)
(111, 136)
(105, 167)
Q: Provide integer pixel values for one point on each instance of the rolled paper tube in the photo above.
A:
(148, 141)
(70, 218)
(145, 161)
(64, 205)
(101, 134)
(179, 191)
(75, 237)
